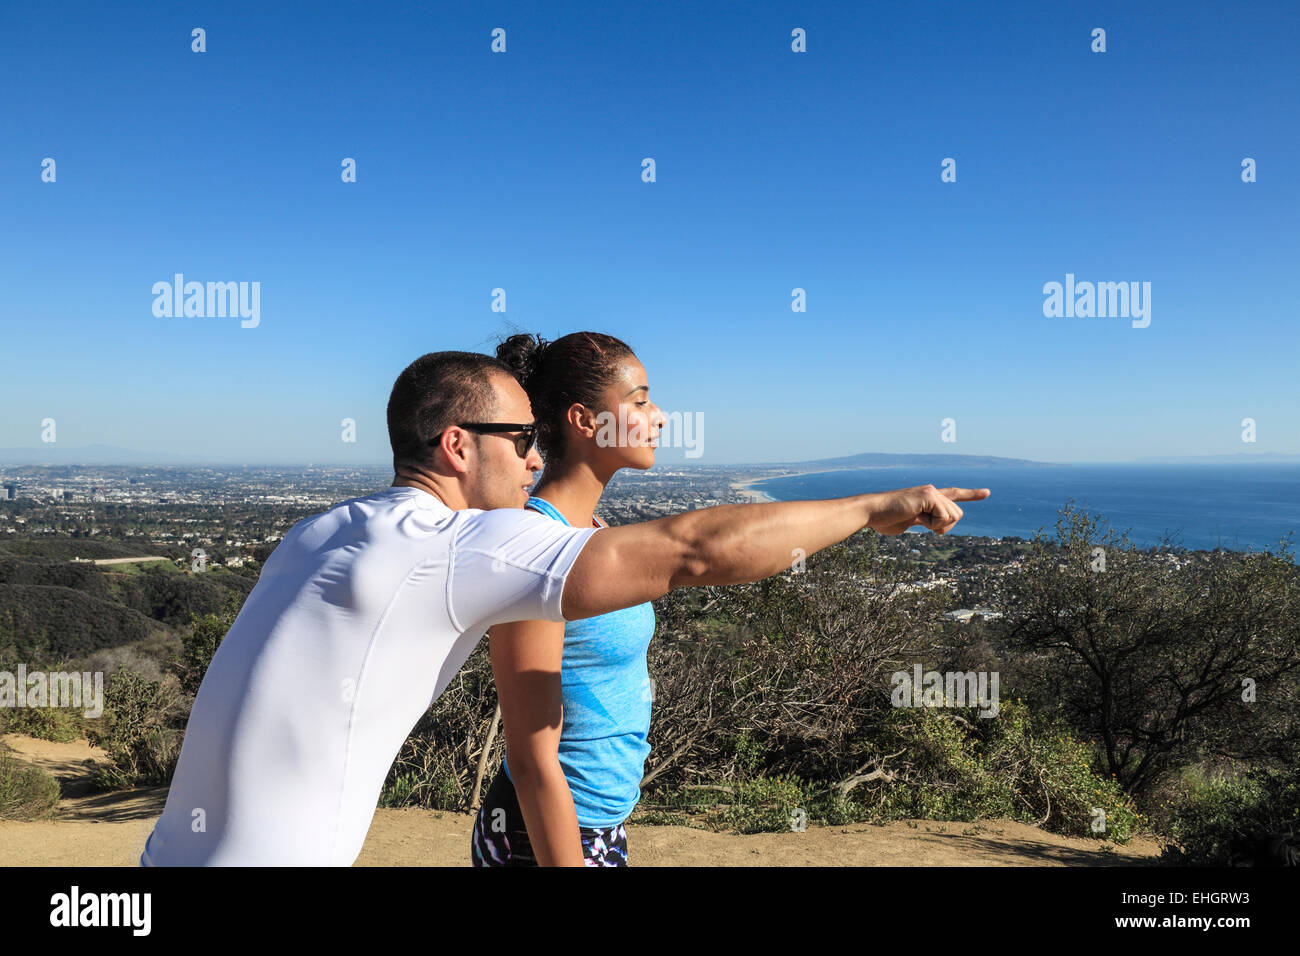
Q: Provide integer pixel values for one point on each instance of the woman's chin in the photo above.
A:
(641, 458)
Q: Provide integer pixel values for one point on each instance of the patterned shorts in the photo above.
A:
(501, 839)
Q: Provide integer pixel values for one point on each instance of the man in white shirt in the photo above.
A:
(364, 613)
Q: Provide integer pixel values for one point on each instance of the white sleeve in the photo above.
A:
(510, 564)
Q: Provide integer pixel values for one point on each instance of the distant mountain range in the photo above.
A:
(100, 454)
(1242, 457)
(885, 460)
(873, 459)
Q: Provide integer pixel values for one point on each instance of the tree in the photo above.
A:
(1140, 650)
(198, 646)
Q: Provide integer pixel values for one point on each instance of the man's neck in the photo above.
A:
(411, 479)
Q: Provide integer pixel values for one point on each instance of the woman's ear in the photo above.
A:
(583, 419)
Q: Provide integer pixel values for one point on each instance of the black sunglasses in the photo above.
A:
(523, 442)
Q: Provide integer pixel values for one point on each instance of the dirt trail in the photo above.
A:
(110, 829)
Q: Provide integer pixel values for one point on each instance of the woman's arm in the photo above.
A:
(526, 659)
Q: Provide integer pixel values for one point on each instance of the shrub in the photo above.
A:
(1216, 818)
(766, 805)
(1015, 765)
(138, 729)
(134, 657)
(199, 645)
(27, 792)
(59, 724)
(432, 789)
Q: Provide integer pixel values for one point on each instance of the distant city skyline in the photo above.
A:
(997, 231)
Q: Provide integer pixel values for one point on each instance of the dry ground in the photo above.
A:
(109, 829)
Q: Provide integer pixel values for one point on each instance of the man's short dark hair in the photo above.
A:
(435, 391)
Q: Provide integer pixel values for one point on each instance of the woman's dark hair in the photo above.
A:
(435, 391)
(575, 368)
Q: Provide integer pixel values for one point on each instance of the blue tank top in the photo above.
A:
(606, 692)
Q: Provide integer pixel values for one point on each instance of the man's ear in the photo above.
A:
(456, 449)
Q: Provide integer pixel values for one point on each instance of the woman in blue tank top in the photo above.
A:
(575, 697)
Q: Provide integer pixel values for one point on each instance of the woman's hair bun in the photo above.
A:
(523, 353)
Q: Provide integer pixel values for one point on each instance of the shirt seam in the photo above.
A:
(356, 699)
(451, 576)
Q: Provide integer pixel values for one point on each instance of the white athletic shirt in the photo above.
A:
(361, 617)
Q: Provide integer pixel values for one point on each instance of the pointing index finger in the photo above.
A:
(964, 494)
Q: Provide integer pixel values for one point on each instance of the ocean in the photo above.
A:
(1235, 506)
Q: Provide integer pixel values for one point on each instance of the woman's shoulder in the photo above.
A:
(543, 506)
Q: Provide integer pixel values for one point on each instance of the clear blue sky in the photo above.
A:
(775, 170)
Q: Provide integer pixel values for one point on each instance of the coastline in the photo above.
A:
(751, 495)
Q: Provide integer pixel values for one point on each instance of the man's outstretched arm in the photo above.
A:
(733, 544)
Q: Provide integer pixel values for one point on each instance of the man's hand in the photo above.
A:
(934, 508)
